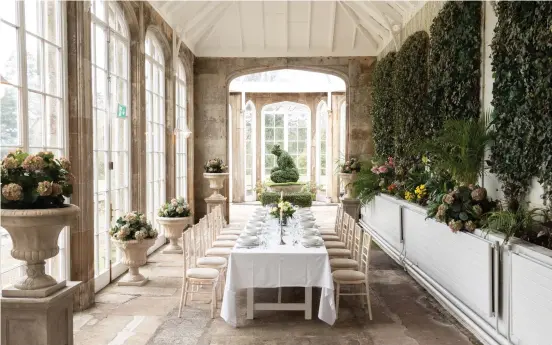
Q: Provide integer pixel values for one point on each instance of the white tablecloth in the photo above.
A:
(277, 265)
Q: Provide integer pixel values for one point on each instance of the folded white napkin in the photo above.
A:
(312, 241)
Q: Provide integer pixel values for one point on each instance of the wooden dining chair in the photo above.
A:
(337, 227)
(355, 246)
(343, 277)
(211, 231)
(193, 277)
(341, 250)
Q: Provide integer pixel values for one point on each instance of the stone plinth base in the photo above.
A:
(172, 251)
(351, 207)
(38, 321)
(133, 283)
(213, 202)
(40, 293)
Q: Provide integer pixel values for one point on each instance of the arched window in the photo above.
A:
(110, 43)
(32, 98)
(155, 131)
(342, 130)
(288, 125)
(249, 116)
(322, 146)
(181, 121)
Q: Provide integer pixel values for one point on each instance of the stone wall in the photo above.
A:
(140, 17)
(211, 79)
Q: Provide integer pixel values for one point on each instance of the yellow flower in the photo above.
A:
(420, 191)
(409, 196)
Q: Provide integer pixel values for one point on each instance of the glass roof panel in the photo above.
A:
(287, 80)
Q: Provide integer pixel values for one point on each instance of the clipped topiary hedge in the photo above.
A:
(522, 96)
(298, 199)
(382, 107)
(455, 62)
(411, 115)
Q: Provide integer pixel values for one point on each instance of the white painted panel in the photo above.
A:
(531, 301)
(460, 262)
(383, 215)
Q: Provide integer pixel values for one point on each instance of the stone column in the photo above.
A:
(80, 149)
(170, 120)
(337, 100)
(359, 104)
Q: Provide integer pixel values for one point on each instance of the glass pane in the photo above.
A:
(279, 120)
(34, 63)
(9, 12)
(9, 54)
(292, 134)
(100, 47)
(98, 9)
(9, 117)
(302, 134)
(100, 130)
(51, 21)
(54, 123)
(279, 134)
(101, 89)
(100, 165)
(53, 70)
(269, 133)
(269, 120)
(122, 59)
(36, 116)
(33, 16)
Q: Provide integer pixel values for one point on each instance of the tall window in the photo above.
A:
(32, 98)
(181, 121)
(155, 132)
(111, 128)
(322, 146)
(288, 125)
(249, 134)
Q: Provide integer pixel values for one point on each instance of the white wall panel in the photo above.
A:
(383, 215)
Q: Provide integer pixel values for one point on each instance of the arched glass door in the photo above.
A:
(111, 107)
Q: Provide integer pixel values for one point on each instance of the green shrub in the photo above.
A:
(382, 107)
(286, 171)
(298, 199)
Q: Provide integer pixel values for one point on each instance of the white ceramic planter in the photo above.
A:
(173, 231)
(134, 256)
(34, 234)
(216, 182)
(347, 183)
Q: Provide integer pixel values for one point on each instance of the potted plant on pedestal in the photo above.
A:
(215, 173)
(347, 174)
(133, 235)
(34, 212)
(173, 216)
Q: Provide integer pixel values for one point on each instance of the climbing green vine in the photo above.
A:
(522, 96)
(411, 115)
(454, 63)
(382, 107)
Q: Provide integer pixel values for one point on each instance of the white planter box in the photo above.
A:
(502, 300)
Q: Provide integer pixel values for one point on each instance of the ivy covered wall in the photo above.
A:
(382, 107)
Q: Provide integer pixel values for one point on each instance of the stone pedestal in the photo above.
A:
(351, 207)
(39, 321)
(214, 201)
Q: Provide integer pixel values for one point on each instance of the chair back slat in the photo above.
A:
(338, 217)
(198, 242)
(350, 233)
(187, 243)
(344, 227)
(365, 255)
(357, 243)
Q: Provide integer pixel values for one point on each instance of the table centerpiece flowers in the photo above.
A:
(34, 188)
(133, 234)
(174, 216)
(283, 211)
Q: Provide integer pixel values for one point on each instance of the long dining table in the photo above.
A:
(273, 264)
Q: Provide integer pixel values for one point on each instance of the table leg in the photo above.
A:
(308, 303)
(250, 303)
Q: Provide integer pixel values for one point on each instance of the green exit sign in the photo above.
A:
(121, 111)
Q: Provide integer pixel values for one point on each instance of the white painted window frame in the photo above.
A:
(181, 141)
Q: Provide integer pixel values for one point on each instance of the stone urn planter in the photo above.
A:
(347, 180)
(216, 182)
(286, 188)
(173, 231)
(134, 256)
(34, 233)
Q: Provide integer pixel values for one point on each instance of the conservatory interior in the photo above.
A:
(275, 172)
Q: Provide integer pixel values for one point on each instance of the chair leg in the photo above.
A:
(183, 296)
(337, 288)
(213, 300)
(368, 301)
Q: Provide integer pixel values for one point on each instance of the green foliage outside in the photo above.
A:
(286, 171)
(298, 199)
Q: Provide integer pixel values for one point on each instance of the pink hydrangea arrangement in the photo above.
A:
(132, 226)
(35, 180)
(174, 208)
(350, 166)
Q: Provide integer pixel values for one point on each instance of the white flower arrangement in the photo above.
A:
(132, 226)
(175, 208)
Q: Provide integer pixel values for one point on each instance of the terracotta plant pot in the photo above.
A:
(347, 180)
(216, 182)
(34, 234)
(173, 231)
(134, 256)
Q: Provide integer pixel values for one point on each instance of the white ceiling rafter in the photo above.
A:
(368, 35)
(253, 28)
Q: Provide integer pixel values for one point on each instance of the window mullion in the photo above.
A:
(23, 97)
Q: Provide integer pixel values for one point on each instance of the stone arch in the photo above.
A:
(131, 19)
(164, 43)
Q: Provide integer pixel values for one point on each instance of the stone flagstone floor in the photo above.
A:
(404, 314)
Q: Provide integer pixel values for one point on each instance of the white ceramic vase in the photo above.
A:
(347, 180)
(34, 233)
(216, 182)
(134, 256)
(173, 231)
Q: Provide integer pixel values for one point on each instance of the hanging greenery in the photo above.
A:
(382, 107)
(522, 96)
(411, 115)
(454, 63)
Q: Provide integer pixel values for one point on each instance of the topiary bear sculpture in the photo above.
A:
(286, 171)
